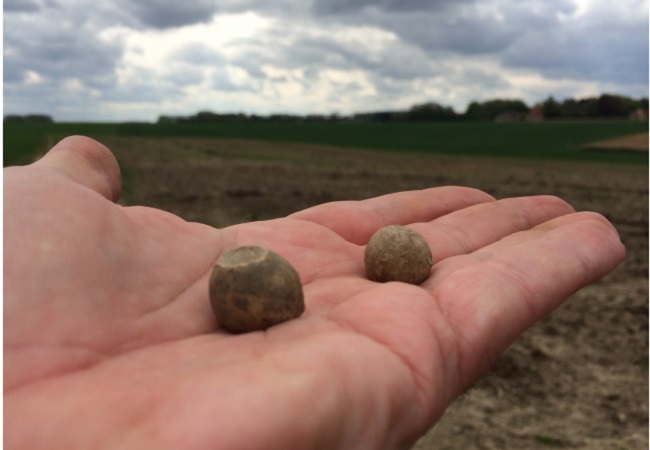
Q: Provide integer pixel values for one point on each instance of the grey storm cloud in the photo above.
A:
(351, 6)
(170, 14)
(528, 34)
(313, 54)
(20, 6)
(61, 52)
(394, 60)
(594, 51)
(466, 26)
(465, 35)
(29, 6)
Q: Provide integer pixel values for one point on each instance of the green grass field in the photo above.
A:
(23, 141)
(546, 140)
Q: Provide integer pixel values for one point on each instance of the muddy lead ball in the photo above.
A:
(398, 253)
(253, 288)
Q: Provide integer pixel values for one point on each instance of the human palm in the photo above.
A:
(109, 339)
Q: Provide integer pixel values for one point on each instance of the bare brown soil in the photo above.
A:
(578, 379)
(634, 142)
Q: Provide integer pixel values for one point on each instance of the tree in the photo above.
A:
(38, 118)
(551, 108)
(32, 118)
(612, 106)
(430, 111)
(490, 109)
(13, 118)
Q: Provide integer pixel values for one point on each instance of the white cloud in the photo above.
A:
(33, 78)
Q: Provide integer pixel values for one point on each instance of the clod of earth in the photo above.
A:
(253, 288)
(397, 253)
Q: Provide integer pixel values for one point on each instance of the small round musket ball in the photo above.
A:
(253, 288)
(397, 253)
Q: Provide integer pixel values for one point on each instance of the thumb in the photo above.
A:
(87, 162)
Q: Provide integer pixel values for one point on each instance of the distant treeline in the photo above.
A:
(501, 110)
(31, 118)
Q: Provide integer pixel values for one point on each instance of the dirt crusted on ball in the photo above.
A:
(253, 288)
(398, 253)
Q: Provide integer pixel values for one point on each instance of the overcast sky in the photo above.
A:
(137, 59)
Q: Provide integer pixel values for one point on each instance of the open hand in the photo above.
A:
(109, 339)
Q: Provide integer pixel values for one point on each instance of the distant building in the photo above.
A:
(536, 114)
(509, 117)
(639, 114)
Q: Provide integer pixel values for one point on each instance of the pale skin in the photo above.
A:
(110, 342)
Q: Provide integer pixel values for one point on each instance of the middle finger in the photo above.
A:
(467, 230)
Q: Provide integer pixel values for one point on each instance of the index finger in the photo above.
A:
(357, 221)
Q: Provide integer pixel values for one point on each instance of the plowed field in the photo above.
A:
(578, 379)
